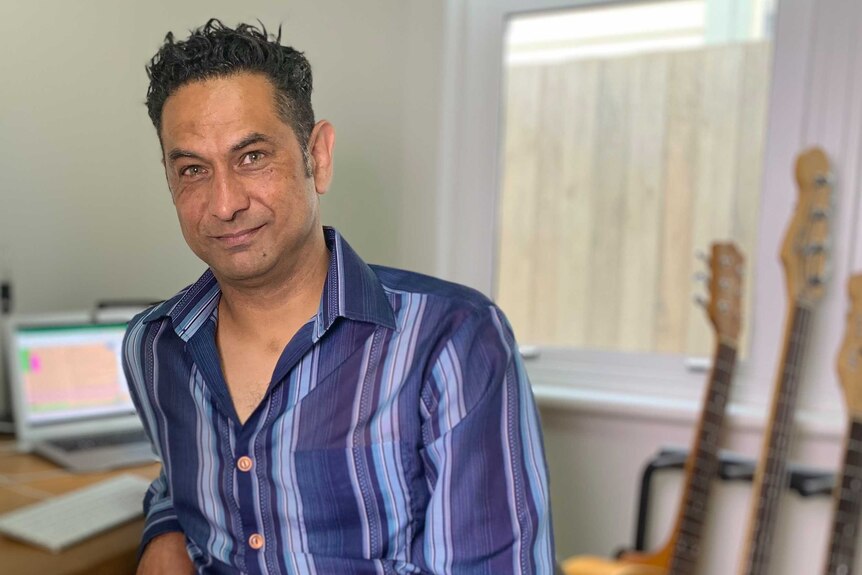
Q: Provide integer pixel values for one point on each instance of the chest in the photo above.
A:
(247, 371)
(361, 384)
(331, 452)
(248, 364)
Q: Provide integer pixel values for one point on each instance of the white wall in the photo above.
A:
(85, 212)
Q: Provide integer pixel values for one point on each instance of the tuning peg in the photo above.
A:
(700, 277)
(820, 214)
(699, 300)
(827, 179)
(814, 249)
(702, 256)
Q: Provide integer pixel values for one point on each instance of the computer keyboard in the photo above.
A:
(66, 519)
(101, 440)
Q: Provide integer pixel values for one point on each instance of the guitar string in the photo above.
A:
(768, 489)
(777, 479)
(842, 549)
(774, 477)
(704, 464)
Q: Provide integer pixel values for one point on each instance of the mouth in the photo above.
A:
(239, 238)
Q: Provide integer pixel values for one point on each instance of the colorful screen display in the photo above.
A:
(70, 372)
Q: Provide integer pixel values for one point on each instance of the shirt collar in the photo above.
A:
(352, 290)
(190, 308)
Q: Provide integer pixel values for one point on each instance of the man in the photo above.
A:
(314, 414)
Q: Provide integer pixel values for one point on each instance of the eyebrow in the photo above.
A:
(178, 153)
(253, 138)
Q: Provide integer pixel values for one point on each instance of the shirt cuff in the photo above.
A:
(158, 524)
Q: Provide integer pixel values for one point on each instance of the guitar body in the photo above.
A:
(632, 563)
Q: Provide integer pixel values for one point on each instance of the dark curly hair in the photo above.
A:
(214, 51)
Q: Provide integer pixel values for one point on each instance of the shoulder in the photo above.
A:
(443, 296)
(453, 314)
(466, 344)
(151, 318)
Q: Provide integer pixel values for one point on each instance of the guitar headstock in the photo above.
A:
(850, 356)
(805, 250)
(725, 291)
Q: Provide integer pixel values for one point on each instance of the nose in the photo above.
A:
(227, 197)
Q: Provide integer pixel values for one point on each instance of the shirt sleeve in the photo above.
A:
(159, 513)
(484, 458)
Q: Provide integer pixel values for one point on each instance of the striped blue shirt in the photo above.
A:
(398, 434)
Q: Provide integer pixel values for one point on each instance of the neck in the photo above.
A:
(847, 504)
(771, 475)
(702, 465)
(289, 297)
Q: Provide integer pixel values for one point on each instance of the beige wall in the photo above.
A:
(85, 213)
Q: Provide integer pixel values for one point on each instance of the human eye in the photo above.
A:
(192, 171)
(250, 158)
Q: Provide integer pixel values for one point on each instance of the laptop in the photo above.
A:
(70, 398)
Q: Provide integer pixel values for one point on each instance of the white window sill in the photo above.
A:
(680, 410)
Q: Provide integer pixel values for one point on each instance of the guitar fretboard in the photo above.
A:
(703, 464)
(771, 476)
(848, 503)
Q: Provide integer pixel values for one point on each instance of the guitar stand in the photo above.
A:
(805, 481)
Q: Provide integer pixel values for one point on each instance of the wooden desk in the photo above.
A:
(27, 479)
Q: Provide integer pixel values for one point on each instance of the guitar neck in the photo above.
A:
(771, 476)
(702, 464)
(847, 505)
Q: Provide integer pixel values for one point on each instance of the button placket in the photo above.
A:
(245, 478)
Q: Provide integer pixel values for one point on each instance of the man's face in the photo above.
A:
(237, 177)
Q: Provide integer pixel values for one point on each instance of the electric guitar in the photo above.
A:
(804, 256)
(679, 554)
(847, 496)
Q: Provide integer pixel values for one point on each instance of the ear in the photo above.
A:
(320, 148)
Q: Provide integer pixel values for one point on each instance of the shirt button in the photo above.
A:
(244, 463)
(255, 541)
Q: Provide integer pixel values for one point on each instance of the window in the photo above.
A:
(633, 136)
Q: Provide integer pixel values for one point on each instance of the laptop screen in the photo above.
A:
(71, 372)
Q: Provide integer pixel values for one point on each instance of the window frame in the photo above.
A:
(802, 112)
